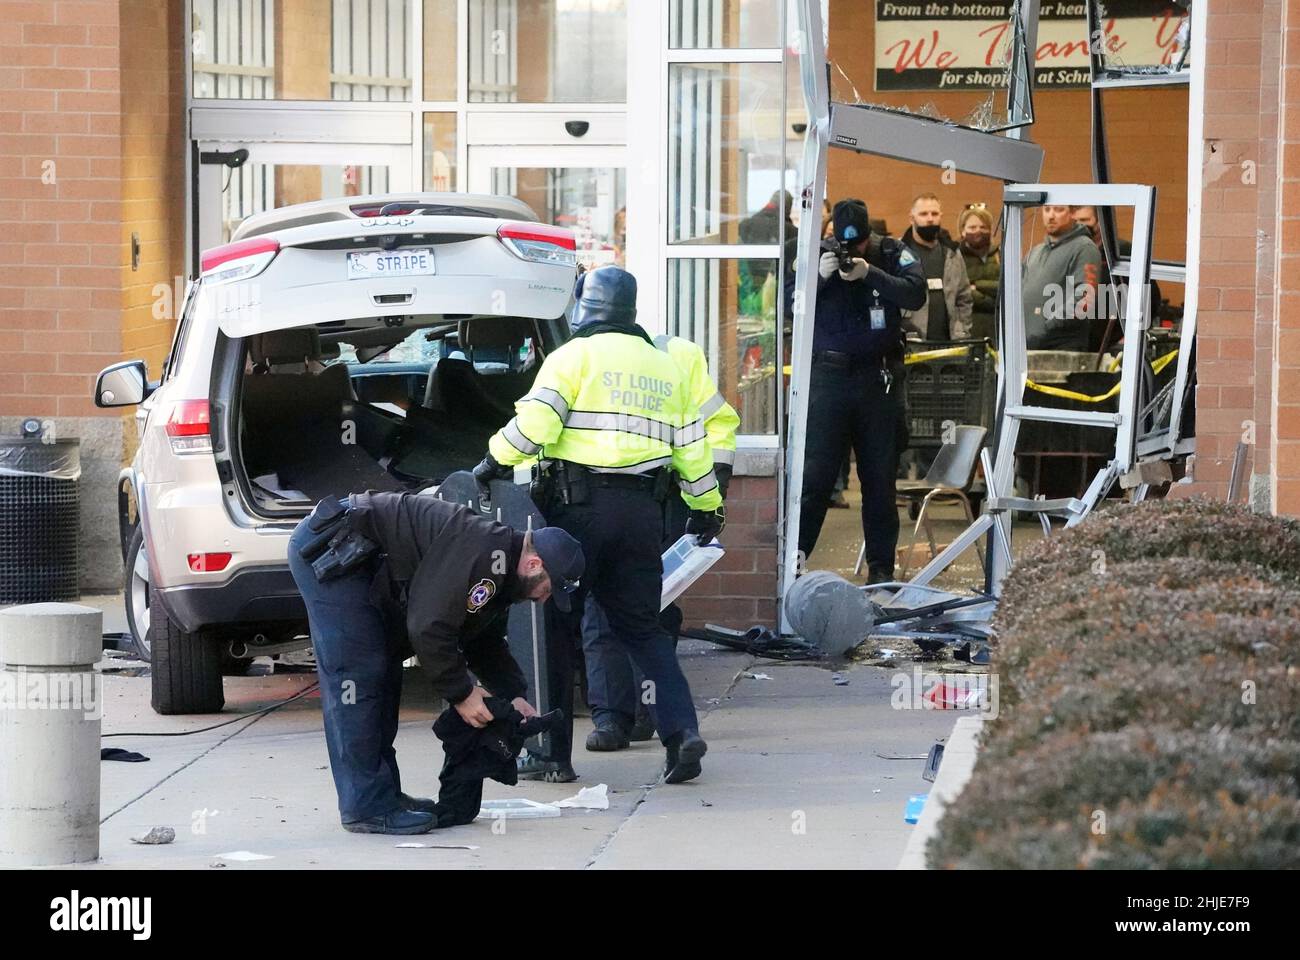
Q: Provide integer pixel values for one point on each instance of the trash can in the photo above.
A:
(39, 516)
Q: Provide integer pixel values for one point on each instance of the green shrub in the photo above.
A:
(1162, 799)
(1148, 666)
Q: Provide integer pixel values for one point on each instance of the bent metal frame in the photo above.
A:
(1008, 155)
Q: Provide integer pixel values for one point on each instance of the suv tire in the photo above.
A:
(186, 667)
(135, 591)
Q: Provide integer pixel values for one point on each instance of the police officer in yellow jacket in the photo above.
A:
(614, 685)
(611, 414)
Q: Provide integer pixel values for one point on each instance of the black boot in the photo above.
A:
(685, 750)
(535, 768)
(643, 728)
(607, 737)
(878, 574)
(419, 804)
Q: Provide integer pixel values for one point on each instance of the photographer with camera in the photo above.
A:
(856, 394)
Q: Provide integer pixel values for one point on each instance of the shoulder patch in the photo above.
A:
(480, 594)
(905, 258)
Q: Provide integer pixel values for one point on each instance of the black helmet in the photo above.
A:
(605, 295)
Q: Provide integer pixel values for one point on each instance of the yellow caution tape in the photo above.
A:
(948, 352)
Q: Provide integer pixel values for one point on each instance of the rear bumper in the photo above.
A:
(261, 595)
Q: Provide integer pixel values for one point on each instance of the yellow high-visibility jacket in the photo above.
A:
(614, 404)
(720, 418)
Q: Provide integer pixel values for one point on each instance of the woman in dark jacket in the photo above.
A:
(983, 268)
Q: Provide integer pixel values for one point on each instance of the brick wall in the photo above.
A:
(60, 204)
(1226, 342)
(153, 176)
(1286, 288)
(739, 591)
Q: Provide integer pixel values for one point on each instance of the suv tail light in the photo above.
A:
(540, 243)
(188, 427)
(239, 260)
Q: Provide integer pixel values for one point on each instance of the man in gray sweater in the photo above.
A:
(1059, 286)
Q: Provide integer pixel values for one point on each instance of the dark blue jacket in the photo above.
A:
(843, 315)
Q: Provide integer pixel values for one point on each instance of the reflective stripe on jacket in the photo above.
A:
(613, 403)
(720, 418)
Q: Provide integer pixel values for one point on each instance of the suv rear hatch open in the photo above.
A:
(374, 352)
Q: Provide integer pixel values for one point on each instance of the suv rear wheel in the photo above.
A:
(136, 593)
(187, 667)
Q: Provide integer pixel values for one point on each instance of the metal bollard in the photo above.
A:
(50, 709)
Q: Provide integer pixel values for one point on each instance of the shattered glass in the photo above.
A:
(997, 111)
(1176, 36)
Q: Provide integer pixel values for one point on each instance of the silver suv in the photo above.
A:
(364, 343)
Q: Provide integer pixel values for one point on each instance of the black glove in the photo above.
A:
(490, 470)
(704, 525)
(723, 472)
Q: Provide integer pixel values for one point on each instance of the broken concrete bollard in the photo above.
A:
(50, 710)
(827, 610)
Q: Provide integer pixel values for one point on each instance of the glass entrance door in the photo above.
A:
(583, 189)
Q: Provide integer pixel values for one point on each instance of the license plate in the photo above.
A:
(415, 262)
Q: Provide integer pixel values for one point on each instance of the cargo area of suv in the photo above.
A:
(391, 403)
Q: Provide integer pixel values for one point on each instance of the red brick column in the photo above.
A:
(1286, 279)
(740, 590)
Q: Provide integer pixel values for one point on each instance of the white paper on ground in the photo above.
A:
(588, 798)
(516, 808)
(436, 846)
(243, 855)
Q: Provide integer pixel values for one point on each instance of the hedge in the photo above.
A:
(1149, 699)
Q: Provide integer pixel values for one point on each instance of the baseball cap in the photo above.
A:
(563, 561)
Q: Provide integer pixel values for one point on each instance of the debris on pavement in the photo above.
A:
(756, 676)
(436, 846)
(516, 808)
(156, 835)
(756, 641)
(125, 756)
(840, 680)
(900, 756)
(932, 763)
(243, 856)
(588, 798)
(915, 804)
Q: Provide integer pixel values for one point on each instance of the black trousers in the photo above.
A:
(850, 408)
(620, 533)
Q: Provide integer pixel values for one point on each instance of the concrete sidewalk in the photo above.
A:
(792, 779)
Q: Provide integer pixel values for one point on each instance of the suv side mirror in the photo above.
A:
(123, 384)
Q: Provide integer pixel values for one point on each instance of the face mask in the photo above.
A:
(979, 242)
(928, 233)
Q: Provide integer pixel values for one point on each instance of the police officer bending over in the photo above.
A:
(384, 575)
(855, 397)
(611, 414)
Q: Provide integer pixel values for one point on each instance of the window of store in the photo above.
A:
(728, 181)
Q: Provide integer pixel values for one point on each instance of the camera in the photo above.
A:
(841, 251)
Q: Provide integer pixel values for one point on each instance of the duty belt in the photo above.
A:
(839, 360)
(619, 481)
